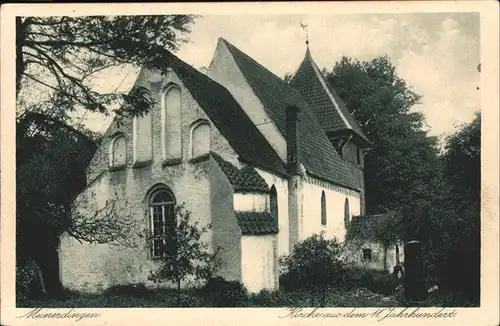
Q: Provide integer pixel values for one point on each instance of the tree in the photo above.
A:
(50, 171)
(402, 165)
(454, 237)
(57, 59)
(185, 255)
(315, 263)
(63, 54)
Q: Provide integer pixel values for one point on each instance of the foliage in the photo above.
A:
(51, 159)
(64, 54)
(437, 196)
(266, 298)
(376, 281)
(133, 290)
(57, 62)
(453, 242)
(185, 255)
(402, 158)
(316, 264)
(224, 293)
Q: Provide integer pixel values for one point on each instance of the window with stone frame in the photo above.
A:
(162, 222)
(171, 123)
(118, 152)
(200, 139)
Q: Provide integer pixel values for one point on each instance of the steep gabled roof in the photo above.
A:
(227, 115)
(324, 100)
(316, 152)
(246, 179)
(255, 223)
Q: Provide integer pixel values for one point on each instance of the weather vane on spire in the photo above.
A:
(304, 27)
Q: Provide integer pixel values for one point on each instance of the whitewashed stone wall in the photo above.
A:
(201, 186)
(281, 185)
(259, 262)
(335, 201)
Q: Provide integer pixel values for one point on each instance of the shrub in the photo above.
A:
(224, 293)
(137, 290)
(289, 282)
(376, 281)
(185, 255)
(266, 298)
(28, 283)
(315, 264)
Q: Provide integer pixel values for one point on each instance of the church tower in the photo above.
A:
(338, 124)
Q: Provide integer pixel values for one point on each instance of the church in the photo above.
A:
(266, 162)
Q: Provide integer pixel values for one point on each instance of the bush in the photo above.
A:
(376, 281)
(223, 293)
(289, 282)
(28, 285)
(315, 265)
(266, 298)
(137, 290)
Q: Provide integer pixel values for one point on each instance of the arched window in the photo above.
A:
(200, 139)
(142, 138)
(273, 204)
(171, 123)
(118, 151)
(161, 221)
(323, 208)
(346, 213)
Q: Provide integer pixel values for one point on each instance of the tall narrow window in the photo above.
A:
(273, 204)
(346, 213)
(143, 145)
(118, 152)
(161, 222)
(171, 123)
(323, 208)
(200, 139)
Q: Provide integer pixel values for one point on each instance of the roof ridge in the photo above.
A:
(249, 57)
(319, 155)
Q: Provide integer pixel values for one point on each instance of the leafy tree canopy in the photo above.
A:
(403, 160)
(63, 54)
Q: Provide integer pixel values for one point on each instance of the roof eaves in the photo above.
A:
(345, 185)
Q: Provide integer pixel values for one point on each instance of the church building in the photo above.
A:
(266, 162)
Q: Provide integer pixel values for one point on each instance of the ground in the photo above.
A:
(128, 298)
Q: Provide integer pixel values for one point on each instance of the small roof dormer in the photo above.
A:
(325, 103)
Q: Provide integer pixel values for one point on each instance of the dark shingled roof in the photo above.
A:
(314, 89)
(227, 115)
(369, 227)
(316, 152)
(246, 179)
(255, 223)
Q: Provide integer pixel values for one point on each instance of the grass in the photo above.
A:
(138, 296)
(192, 298)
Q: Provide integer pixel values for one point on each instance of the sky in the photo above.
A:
(437, 54)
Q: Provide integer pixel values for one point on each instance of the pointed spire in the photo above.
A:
(304, 27)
